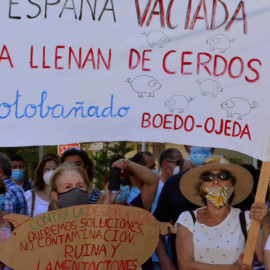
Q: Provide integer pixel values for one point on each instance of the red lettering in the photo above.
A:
(166, 121)
(141, 19)
(168, 16)
(156, 13)
(221, 128)
(246, 132)
(212, 122)
(197, 17)
(241, 5)
(200, 63)
(241, 67)
(218, 64)
(132, 51)
(57, 57)
(160, 120)
(236, 125)
(188, 14)
(191, 123)
(71, 53)
(184, 63)
(145, 118)
(91, 59)
(164, 62)
(213, 22)
(145, 59)
(44, 57)
(227, 127)
(101, 57)
(254, 70)
(31, 58)
(177, 117)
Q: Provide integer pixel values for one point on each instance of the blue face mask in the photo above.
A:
(17, 175)
(2, 199)
(155, 171)
(124, 193)
(199, 154)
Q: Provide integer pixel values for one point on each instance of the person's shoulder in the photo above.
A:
(174, 180)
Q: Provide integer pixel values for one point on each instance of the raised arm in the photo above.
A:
(150, 179)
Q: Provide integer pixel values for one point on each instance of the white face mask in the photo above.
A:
(176, 170)
(47, 177)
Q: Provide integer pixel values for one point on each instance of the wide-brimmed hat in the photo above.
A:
(242, 188)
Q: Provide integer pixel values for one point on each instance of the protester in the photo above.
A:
(5, 226)
(147, 160)
(197, 155)
(169, 161)
(18, 171)
(81, 159)
(38, 198)
(213, 236)
(69, 186)
(14, 198)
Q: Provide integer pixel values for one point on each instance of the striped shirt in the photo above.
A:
(93, 198)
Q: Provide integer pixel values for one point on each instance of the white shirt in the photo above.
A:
(41, 206)
(221, 244)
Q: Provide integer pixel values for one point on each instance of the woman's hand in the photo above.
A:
(110, 197)
(260, 212)
(239, 263)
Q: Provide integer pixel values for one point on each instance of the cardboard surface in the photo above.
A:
(84, 237)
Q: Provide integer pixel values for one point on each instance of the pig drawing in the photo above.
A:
(178, 103)
(156, 38)
(220, 42)
(210, 87)
(144, 85)
(238, 106)
(84, 237)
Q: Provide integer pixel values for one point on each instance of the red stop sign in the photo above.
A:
(63, 147)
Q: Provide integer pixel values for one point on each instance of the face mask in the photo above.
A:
(199, 154)
(2, 199)
(218, 196)
(47, 177)
(72, 197)
(124, 193)
(17, 174)
(176, 170)
(155, 171)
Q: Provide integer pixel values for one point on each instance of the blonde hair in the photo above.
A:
(66, 167)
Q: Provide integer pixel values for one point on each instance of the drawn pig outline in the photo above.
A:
(178, 102)
(220, 42)
(156, 38)
(211, 87)
(233, 105)
(149, 84)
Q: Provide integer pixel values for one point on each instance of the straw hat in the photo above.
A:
(242, 188)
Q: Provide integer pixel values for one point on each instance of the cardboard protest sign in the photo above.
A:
(84, 237)
(181, 71)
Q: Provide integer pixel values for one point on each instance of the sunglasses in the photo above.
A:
(177, 162)
(209, 177)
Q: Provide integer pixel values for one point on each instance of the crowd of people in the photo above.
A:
(209, 201)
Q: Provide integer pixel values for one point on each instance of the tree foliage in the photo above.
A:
(102, 159)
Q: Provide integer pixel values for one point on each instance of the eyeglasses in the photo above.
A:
(209, 177)
(177, 162)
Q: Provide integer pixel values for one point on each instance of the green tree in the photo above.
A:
(102, 159)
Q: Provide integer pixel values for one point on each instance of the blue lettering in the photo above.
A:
(58, 110)
(32, 106)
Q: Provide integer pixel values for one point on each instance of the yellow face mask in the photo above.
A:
(218, 196)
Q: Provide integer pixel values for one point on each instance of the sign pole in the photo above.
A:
(255, 225)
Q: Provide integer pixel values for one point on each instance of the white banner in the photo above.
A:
(181, 71)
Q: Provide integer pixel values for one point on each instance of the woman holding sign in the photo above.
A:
(213, 237)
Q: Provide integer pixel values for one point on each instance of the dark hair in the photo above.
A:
(50, 155)
(5, 165)
(38, 181)
(17, 158)
(88, 163)
(168, 154)
(139, 158)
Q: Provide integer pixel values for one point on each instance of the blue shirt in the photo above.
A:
(15, 201)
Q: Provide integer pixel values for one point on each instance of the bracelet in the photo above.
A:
(263, 233)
